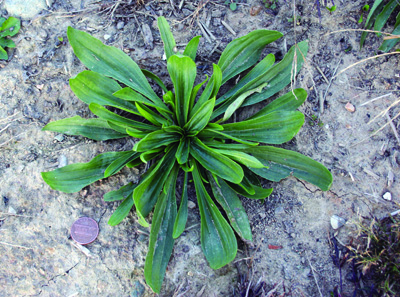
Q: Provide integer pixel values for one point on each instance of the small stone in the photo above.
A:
(350, 107)
(306, 272)
(120, 25)
(62, 161)
(293, 235)
(337, 222)
(11, 210)
(279, 210)
(107, 36)
(59, 137)
(25, 9)
(387, 196)
(147, 36)
(191, 205)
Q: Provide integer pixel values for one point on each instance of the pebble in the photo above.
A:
(279, 210)
(191, 204)
(26, 9)
(337, 222)
(147, 36)
(350, 107)
(387, 196)
(11, 210)
(59, 137)
(107, 36)
(62, 161)
(120, 25)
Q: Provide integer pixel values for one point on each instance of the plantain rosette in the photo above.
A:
(187, 130)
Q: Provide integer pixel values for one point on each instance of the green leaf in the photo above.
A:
(194, 94)
(242, 158)
(191, 47)
(156, 139)
(200, 119)
(154, 77)
(73, 178)
(10, 27)
(373, 13)
(209, 133)
(107, 115)
(383, 17)
(119, 163)
(3, 54)
(387, 45)
(217, 238)
(7, 43)
(2, 20)
(92, 87)
(233, 6)
(244, 52)
(166, 36)
(288, 102)
(182, 70)
(283, 163)
(96, 129)
(146, 193)
(121, 193)
(136, 133)
(130, 95)
(109, 61)
(161, 241)
(275, 128)
(121, 212)
(151, 154)
(182, 153)
(211, 89)
(217, 163)
(259, 192)
(232, 206)
(150, 115)
(181, 219)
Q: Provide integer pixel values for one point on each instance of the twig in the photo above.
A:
(274, 289)
(208, 31)
(364, 60)
(15, 245)
(361, 30)
(315, 278)
(333, 77)
(5, 119)
(5, 128)
(204, 32)
(372, 100)
(14, 215)
(320, 71)
(229, 28)
(393, 128)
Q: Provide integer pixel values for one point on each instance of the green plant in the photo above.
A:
(271, 4)
(331, 9)
(8, 27)
(364, 9)
(377, 253)
(378, 17)
(232, 4)
(183, 132)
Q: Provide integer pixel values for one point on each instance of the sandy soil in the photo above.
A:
(37, 254)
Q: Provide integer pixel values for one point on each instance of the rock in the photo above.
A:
(337, 222)
(147, 36)
(279, 210)
(306, 272)
(11, 210)
(138, 289)
(120, 25)
(191, 204)
(62, 161)
(350, 107)
(387, 196)
(26, 9)
(107, 36)
(59, 137)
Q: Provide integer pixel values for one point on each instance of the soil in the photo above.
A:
(293, 238)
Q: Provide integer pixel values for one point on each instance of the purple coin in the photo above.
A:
(84, 230)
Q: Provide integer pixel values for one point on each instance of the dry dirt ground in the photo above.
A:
(37, 254)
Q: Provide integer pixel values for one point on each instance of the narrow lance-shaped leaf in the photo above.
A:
(242, 158)
(232, 206)
(93, 87)
(156, 139)
(73, 178)
(121, 193)
(275, 128)
(109, 61)
(191, 48)
(166, 36)
(161, 241)
(96, 129)
(10, 27)
(182, 153)
(215, 162)
(120, 162)
(201, 118)
(182, 70)
(282, 163)
(121, 212)
(217, 238)
(244, 52)
(375, 10)
(181, 218)
(383, 17)
(154, 77)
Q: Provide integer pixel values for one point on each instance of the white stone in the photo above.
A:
(11, 210)
(191, 204)
(25, 9)
(387, 196)
(337, 222)
(107, 36)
